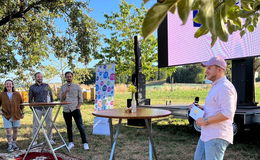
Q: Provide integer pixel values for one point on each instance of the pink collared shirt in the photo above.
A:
(222, 98)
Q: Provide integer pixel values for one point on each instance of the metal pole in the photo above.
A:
(151, 143)
(115, 140)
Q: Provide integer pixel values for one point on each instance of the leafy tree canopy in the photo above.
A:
(119, 45)
(28, 33)
(189, 74)
(219, 17)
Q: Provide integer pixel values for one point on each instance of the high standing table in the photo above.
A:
(142, 113)
(47, 106)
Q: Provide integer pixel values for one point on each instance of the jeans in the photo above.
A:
(78, 120)
(211, 150)
(11, 123)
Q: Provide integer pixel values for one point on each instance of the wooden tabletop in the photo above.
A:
(42, 104)
(141, 113)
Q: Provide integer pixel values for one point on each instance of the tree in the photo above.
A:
(169, 72)
(219, 17)
(60, 66)
(189, 74)
(56, 68)
(28, 33)
(119, 45)
(82, 75)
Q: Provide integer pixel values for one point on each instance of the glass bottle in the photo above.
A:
(48, 97)
(133, 103)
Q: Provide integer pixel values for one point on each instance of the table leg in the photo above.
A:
(40, 122)
(151, 143)
(111, 131)
(54, 126)
(115, 140)
(48, 142)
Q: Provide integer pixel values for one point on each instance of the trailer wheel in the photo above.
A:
(196, 127)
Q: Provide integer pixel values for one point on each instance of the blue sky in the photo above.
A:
(101, 7)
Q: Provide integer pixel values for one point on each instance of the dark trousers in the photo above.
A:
(78, 120)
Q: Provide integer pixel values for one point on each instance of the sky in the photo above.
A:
(101, 7)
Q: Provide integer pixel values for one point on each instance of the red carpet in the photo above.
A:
(33, 155)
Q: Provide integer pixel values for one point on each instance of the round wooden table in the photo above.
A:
(142, 113)
(47, 106)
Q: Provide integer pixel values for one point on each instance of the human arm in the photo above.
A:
(80, 98)
(30, 95)
(227, 105)
(63, 93)
(211, 120)
(21, 101)
(50, 92)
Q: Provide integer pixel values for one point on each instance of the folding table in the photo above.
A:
(47, 106)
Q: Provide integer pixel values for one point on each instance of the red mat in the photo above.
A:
(33, 155)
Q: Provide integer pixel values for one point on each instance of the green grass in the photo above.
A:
(174, 138)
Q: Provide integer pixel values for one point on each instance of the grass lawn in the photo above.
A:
(174, 138)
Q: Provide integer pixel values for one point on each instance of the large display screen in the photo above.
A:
(178, 46)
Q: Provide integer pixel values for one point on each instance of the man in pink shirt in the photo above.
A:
(220, 106)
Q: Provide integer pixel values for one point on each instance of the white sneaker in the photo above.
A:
(85, 146)
(10, 148)
(34, 143)
(52, 141)
(70, 145)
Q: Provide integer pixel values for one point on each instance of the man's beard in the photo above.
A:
(39, 81)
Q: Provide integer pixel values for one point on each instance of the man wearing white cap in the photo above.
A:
(220, 106)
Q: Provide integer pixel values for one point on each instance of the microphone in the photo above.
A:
(196, 101)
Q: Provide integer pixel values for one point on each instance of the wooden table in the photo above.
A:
(142, 113)
(47, 106)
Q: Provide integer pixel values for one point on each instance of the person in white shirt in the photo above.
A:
(220, 106)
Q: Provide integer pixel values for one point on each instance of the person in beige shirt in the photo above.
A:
(72, 93)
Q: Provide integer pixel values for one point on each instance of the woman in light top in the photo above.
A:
(12, 112)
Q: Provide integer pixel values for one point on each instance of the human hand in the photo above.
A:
(67, 89)
(201, 122)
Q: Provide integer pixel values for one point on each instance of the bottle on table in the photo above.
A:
(133, 104)
(48, 97)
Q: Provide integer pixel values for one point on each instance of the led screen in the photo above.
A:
(178, 46)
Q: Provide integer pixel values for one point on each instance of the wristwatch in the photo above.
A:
(206, 120)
